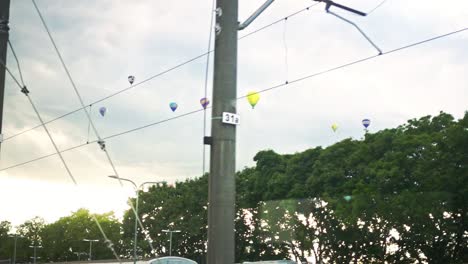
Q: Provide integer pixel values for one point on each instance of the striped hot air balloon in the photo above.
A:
(204, 102)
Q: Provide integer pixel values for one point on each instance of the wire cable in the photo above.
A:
(285, 49)
(17, 63)
(213, 11)
(342, 66)
(25, 91)
(100, 141)
(375, 8)
(51, 138)
(158, 74)
(87, 138)
(278, 21)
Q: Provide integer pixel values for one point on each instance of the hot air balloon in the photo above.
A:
(131, 79)
(366, 123)
(334, 127)
(102, 111)
(173, 106)
(253, 98)
(204, 102)
(347, 198)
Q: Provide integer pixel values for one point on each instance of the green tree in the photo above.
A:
(397, 196)
(6, 244)
(63, 239)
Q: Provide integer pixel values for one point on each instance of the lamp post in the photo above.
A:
(137, 188)
(170, 238)
(35, 255)
(14, 250)
(90, 245)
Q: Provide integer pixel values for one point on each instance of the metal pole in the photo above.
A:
(249, 20)
(137, 189)
(170, 243)
(170, 238)
(4, 20)
(90, 248)
(221, 183)
(14, 250)
(136, 228)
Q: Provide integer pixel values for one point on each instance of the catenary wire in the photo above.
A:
(261, 91)
(21, 87)
(285, 44)
(17, 62)
(376, 7)
(278, 21)
(26, 92)
(100, 141)
(213, 12)
(91, 123)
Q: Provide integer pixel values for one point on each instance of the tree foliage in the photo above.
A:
(63, 239)
(407, 190)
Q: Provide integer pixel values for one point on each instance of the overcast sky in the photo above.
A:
(104, 41)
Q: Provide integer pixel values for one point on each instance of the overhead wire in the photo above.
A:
(91, 123)
(26, 92)
(17, 63)
(213, 12)
(342, 66)
(278, 21)
(285, 43)
(156, 75)
(376, 7)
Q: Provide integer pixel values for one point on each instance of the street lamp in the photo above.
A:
(137, 188)
(35, 247)
(170, 238)
(14, 250)
(90, 245)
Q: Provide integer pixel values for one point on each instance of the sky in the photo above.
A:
(103, 42)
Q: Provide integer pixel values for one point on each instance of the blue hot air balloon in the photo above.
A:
(173, 106)
(102, 111)
(366, 123)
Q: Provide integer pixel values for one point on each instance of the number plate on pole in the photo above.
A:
(230, 118)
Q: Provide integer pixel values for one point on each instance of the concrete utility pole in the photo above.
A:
(4, 29)
(221, 193)
(221, 182)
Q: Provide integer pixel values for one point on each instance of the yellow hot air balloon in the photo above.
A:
(334, 127)
(253, 98)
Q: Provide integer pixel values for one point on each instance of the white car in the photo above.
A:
(171, 260)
